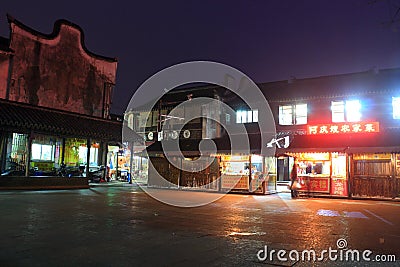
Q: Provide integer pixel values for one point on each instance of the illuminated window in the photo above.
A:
(301, 114)
(246, 116)
(353, 108)
(396, 107)
(346, 111)
(255, 115)
(293, 114)
(42, 152)
(337, 111)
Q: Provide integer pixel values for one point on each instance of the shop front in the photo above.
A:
(249, 173)
(321, 172)
(49, 155)
(14, 153)
(217, 172)
(46, 155)
(40, 147)
(118, 163)
(140, 168)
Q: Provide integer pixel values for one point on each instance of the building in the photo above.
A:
(179, 116)
(55, 99)
(343, 131)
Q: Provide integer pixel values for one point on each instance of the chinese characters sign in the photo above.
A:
(315, 184)
(343, 128)
(339, 187)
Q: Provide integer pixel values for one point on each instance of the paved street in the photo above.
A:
(123, 226)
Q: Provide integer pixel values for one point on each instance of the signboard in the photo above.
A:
(339, 187)
(231, 181)
(314, 184)
(343, 128)
(281, 140)
(235, 158)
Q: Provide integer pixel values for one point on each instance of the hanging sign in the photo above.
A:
(343, 128)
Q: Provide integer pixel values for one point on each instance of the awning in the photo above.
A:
(190, 147)
(24, 118)
(283, 151)
(390, 149)
(388, 141)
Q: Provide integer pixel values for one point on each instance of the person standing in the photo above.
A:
(294, 181)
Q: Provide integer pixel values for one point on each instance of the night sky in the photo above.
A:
(267, 40)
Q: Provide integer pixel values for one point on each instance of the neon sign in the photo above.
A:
(343, 128)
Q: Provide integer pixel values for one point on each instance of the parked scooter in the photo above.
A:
(97, 176)
(65, 171)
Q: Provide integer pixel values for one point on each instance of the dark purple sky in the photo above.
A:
(268, 40)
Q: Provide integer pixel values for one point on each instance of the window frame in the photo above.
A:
(291, 114)
(246, 116)
(340, 110)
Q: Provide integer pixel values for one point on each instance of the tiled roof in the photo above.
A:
(369, 82)
(373, 81)
(25, 118)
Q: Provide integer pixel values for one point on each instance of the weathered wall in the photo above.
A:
(55, 71)
(4, 62)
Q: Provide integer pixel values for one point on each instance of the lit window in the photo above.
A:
(353, 108)
(241, 116)
(337, 111)
(346, 111)
(285, 115)
(255, 115)
(396, 107)
(301, 113)
(42, 152)
(246, 116)
(293, 114)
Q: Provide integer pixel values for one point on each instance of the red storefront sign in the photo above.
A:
(343, 128)
(339, 187)
(314, 184)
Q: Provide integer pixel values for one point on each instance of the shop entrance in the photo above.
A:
(283, 169)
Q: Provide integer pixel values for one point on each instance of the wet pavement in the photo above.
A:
(123, 226)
